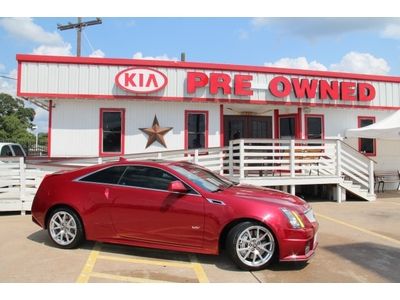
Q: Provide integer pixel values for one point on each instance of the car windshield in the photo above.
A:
(203, 178)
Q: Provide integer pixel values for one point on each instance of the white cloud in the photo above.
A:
(139, 55)
(63, 50)
(41, 119)
(391, 31)
(353, 62)
(9, 86)
(259, 22)
(297, 63)
(314, 28)
(26, 29)
(361, 63)
(97, 53)
(49, 43)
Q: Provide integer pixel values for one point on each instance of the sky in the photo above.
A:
(358, 45)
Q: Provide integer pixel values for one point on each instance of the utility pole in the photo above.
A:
(79, 26)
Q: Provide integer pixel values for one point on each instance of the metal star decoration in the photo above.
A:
(156, 133)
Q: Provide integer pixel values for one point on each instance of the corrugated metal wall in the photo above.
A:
(82, 79)
(75, 125)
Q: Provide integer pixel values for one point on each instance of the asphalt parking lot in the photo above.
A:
(358, 242)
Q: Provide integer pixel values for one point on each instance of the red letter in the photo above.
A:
(347, 90)
(220, 80)
(196, 80)
(152, 79)
(129, 79)
(140, 79)
(243, 85)
(366, 92)
(303, 88)
(328, 90)
(275, 91)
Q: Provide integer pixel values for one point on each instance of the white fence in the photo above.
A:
(18, 184)
(264, 162)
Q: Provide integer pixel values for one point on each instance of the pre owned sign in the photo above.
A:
(282, 86)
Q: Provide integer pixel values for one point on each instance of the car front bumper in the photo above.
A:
(299, 245)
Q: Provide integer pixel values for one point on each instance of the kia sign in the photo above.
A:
(141, 80)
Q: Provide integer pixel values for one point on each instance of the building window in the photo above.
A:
(366, 146)
(196, 129)
(288, 127)
(314, 127)
(112, 131)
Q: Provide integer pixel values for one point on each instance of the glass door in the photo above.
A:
(254, 127)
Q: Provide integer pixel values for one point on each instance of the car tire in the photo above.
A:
(65, 228)
(251, 246)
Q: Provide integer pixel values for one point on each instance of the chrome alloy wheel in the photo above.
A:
(255, 246)
(63, 228)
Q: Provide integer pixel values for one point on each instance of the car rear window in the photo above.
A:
(17, 150)
(110, 175)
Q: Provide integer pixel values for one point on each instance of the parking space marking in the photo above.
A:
(95, 255)
(125, 278)
(359, 228)
(200, 273)
(89, 265)
(147, 261)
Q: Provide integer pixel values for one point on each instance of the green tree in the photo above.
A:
(42, 138)
(15, 120)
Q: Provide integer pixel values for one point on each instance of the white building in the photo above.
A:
(98, 106)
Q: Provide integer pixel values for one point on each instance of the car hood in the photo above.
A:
(254, 193)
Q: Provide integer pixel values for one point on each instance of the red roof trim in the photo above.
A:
(197, 65)
(92, 97)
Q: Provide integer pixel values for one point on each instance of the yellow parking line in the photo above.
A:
(88, 267)
(146, 261)
(201, 275)
(125, 278)
(359, 229)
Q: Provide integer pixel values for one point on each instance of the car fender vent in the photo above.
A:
(217, 202)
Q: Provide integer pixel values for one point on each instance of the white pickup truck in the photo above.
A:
(11, 149)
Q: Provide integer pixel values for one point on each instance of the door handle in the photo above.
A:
(107, 193)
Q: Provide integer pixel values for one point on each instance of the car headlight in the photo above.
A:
(293, 218)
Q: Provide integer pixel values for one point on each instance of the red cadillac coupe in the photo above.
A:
(176, 206)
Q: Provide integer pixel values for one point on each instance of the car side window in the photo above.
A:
(17, 150)
(110, 175)
(147, 177)
(6, 151)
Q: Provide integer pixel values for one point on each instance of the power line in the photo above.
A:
(79, 26)
(87, 40)
(7, 77)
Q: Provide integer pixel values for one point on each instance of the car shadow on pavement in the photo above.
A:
(42, 237)
(380, 259)
(221, 261)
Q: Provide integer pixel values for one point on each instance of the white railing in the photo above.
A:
(212, 158)
(18, 184)
(263, 159)
(290, 158)
(357, 167)
(250, 158)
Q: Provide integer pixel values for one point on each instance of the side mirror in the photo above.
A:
(177, 187)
